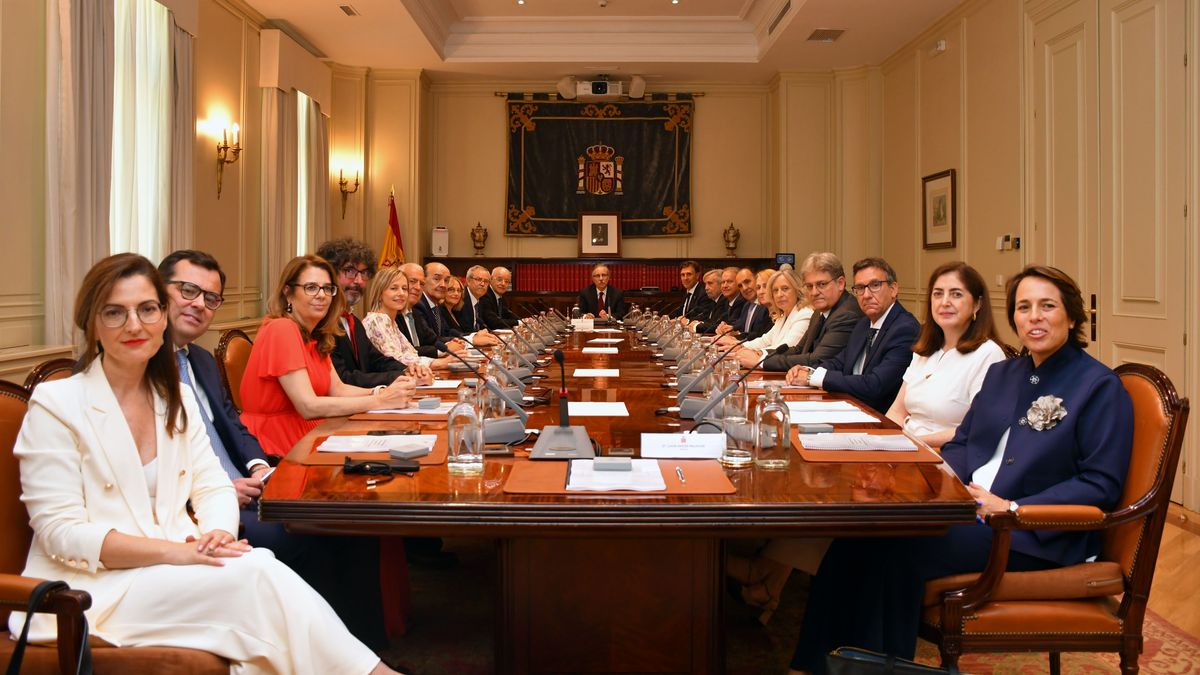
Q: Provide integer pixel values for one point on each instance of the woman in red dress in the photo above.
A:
(290, 385)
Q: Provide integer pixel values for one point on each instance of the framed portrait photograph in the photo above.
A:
(939, 210)
(599, 234)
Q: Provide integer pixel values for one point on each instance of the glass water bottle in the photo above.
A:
(772, 429)
(465, 433)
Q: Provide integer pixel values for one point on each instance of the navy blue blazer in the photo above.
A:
(760, 323)
(242, 446)
(882, 375)
(1083, 459)
(507, 316)
(699, 306)
(426, 311)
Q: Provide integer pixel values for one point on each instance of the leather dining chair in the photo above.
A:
(1096, 606)
(67, 605)
(232, 355)
(54, 369)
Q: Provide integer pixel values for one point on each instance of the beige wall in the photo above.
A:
(729, 176)
(803, 147)
(393, 129)
(23, 172)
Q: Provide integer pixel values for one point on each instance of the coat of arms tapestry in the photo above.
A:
(569, 157)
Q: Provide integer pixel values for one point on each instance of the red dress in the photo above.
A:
(267, 411)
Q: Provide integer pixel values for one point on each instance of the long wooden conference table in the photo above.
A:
(613, 583)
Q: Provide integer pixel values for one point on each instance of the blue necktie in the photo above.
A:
(749, 317)
(213, 437)
(437, 320)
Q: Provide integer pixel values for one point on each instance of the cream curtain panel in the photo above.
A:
(79, 113)
(183, 141)
(279, 183)
(314, 184)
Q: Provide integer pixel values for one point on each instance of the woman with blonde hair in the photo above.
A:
(290, 384)
(794, 315)
(453, 301)
(387, 298)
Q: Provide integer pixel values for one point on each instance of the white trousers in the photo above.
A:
(254, 611)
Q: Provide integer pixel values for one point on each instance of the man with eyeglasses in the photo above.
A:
(354, 356)
(871, 365)
(430, 306)
(331, 565)
(498, 288)
(601, 300)
(755, 320)
(835, 313)
(477, 313)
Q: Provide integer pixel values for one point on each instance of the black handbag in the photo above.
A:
(83, 666)
(852, 661)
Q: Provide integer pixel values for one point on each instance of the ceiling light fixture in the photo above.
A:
(520, 2)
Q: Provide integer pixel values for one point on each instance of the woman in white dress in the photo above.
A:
(794, 315)
(110, 458)
(956, 347)
(387, 298)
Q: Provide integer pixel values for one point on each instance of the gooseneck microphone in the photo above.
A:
(684, 389)
(729, 388)
(496, 429)
(512, 377)
(563, 441)
(564, 416)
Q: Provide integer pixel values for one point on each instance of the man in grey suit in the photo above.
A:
(835, 312)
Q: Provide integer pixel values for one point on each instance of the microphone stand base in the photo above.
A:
(557, 442)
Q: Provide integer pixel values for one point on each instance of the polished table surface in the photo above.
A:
(628, 583)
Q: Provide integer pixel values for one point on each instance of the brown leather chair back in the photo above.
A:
(1156, 426)
(14, 519)
(46, 371)
(232, 354)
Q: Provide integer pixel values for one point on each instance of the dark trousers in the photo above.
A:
(867, 592)
(343, 570)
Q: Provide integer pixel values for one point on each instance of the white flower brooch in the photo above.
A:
(1044, 413)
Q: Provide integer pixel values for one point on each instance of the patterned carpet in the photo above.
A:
(454, 611)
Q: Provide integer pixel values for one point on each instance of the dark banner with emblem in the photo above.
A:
(571, 157)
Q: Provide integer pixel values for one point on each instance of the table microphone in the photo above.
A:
(508, 346)
(496, 429)
(714, 401)
(564, 416)
(513, 327)
(512, 377)
(684, 389)
(563, 441)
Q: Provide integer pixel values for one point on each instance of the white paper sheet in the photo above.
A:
(596, 409)
(606, 330)
(814, 406)
(889, 442)
(442, 384)
(443, 408)
(605, 341)
(377, 443)
(762, 384)
(683, 446)
(596, 372)
(600, 350)
(645, 477)
(831, 417)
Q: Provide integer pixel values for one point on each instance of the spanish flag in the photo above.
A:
(393, 246)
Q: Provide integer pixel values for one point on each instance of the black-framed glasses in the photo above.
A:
(820, 286)
(115, 316)
(874, 287)
(312, 288)
(191, 291)
(351, 272)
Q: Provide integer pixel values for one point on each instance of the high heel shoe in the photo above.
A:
(765, 593)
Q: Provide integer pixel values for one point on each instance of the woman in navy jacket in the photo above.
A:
(1054, 426)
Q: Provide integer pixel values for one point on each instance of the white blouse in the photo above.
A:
(787, 331)
(940, 387)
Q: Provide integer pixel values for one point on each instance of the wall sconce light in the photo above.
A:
(227, 154)
(342, 182)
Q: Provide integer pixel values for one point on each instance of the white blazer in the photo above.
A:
(81, 478)
(787, 331)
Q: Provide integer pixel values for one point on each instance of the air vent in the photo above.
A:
(349, 11)
(826, 35)
(787, 7)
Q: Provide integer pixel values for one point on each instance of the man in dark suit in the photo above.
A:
(730, 305)
(835, 313)
(872, 364)
(420, 334)
(600, 300)
(355, 358)
(756, 320)
(479, 311)
(696, 303)
(344, 570)
(500, 286)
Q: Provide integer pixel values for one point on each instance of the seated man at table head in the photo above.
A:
(835, 313)
(871, 366)
(501, 284)
(195, 283)
(601, 300)
(696, 303)
(357, 361)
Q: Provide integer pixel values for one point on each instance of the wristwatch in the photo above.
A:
(1013, 506)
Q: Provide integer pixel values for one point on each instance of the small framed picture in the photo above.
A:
(939, 209)
(599, 234)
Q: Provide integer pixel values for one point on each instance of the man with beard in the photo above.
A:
(355, 358)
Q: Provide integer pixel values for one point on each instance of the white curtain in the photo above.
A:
(79, 77)
(141, 133)
(183, 140)
(312, 217)
(278, 182)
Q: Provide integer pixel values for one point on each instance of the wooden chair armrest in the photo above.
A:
(1056, 517)
(67, 605)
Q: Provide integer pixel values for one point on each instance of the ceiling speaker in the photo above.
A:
(566, 87)
(637, 87)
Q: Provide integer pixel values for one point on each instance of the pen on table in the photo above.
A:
(679, 472)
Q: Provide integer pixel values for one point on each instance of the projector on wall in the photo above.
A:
(599, 89)
(602, 89)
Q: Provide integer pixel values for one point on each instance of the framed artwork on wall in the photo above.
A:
(599, 234)
(939, 209)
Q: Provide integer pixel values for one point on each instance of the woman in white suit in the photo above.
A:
(783, 289)
(109, 459)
